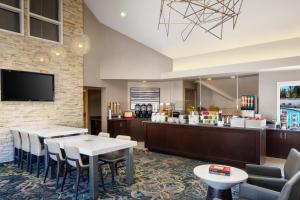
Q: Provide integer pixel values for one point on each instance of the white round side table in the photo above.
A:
(220, 186)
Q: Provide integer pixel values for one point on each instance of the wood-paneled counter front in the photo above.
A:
(234, 146)
(131, 127)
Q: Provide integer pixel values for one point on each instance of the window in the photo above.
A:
(45, 19)
(11, 16)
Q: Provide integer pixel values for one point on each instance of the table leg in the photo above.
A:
(220, 194)
(93, 176)
(129, 165)
(46, 156)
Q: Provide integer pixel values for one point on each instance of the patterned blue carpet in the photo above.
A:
(157, 176)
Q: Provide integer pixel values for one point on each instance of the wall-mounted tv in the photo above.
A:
(26, 86)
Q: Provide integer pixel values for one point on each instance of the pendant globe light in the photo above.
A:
(41, 58)
(58, 53)
(81, 44)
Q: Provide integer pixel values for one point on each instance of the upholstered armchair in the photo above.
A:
(271, 177)
(290, 191)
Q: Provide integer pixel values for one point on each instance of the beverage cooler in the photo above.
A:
(249, 105)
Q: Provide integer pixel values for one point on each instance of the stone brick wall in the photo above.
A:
(17, 52)
(6, 145)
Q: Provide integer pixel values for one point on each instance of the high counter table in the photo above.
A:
(228, 145)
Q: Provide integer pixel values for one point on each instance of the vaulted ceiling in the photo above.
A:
(261, 21)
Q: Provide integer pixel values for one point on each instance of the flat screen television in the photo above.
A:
(26, 86)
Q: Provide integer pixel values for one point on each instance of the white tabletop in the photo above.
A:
(48, 131)
(94, 145)
(218, 181)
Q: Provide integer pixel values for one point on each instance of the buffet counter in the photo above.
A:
(234, 146)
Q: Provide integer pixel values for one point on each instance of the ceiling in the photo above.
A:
(261, 21)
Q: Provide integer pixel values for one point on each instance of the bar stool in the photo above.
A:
(55, 157)
(74, 160)
(114, 158)
(36, 149)
(25, 149)
(17, 147)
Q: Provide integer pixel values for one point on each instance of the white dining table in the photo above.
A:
(93, 146)
(50, 131)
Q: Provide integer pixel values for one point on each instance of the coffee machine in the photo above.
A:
(143, 111)
(149, 111)
(138, 111)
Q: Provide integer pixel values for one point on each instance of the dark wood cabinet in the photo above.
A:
(130, 127)
(117, 127)
(280, 142)
(275, 144)
(223, 145)
(292, 141)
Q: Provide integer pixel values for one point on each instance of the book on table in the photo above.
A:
(219, 170)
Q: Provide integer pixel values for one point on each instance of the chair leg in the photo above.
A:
(30, 163)
(38, 166)
(77, 182)
(15, 155)
(64, 179)
(116, 168)
(47, 170)
(19, 158)
(22, 154)
(28, 160)
(112, 169)
(57, 174)
(101, 176)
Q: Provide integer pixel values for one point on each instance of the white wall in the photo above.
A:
(170, 91)
(267, 51)
(116, 56)
(268, 90)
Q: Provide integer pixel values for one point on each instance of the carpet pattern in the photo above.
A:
(157, 176)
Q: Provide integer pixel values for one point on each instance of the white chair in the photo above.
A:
(36, 149)
(123, 137)
(17, 147)
(114, 158)
(73, 160)
(25, 149)
(102, 134)
(55, 157)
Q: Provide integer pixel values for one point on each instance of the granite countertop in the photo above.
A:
(204, 125)
(287, 130)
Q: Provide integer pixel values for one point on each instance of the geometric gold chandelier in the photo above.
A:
(209, 15)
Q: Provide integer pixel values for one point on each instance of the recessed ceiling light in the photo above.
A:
(232, 77)
(123, 14)
(144, 81)
(209, 79)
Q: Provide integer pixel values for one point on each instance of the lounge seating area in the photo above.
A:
(149, 100)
